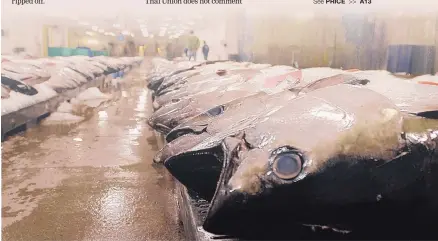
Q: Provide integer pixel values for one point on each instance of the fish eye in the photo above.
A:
(287, 166)
(218, 110)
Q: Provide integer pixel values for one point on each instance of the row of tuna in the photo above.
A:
(277, 150)
(26, 82)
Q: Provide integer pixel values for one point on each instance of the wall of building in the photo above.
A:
(20, 33)
(348, 41)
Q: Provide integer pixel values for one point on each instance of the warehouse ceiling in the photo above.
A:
(138, 20)
(131, 18)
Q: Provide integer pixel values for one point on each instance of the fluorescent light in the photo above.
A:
(95, 28)
(126, 32)
(89, 33)
(116, 25)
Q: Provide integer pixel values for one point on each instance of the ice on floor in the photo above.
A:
(65, 107)
(18, 101)
(75, 110)
(91, 97)
(62, 118)
(92, 94)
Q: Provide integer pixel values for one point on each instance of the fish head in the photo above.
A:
(164, 119)
(171, 80)
(197, 169)
(306, 160)
(197, 124)
(205, 154)
(154, 82)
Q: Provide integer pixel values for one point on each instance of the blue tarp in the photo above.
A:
(423, 60)
(399, 58)
(412, 59)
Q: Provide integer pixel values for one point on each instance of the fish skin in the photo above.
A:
(166, 70)
(201, 73)
(352, 152)
(183, 112)
(173, 79)
(208, 83)
(247, 102)
(231, 88)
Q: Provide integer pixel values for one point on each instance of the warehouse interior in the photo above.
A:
(265, 120)
(363, 38)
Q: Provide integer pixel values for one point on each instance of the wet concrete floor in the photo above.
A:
(93, 181)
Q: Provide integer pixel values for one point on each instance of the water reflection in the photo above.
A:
(114, 206)
(103, 115)
(142, 101)
(103, 119)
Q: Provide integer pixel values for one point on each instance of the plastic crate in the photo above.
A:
(54, 51)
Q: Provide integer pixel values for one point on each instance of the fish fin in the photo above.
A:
(395, 158)
(430, 114)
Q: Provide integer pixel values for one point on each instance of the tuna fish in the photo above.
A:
(222, 121)
(326, 160)
(232, 88)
